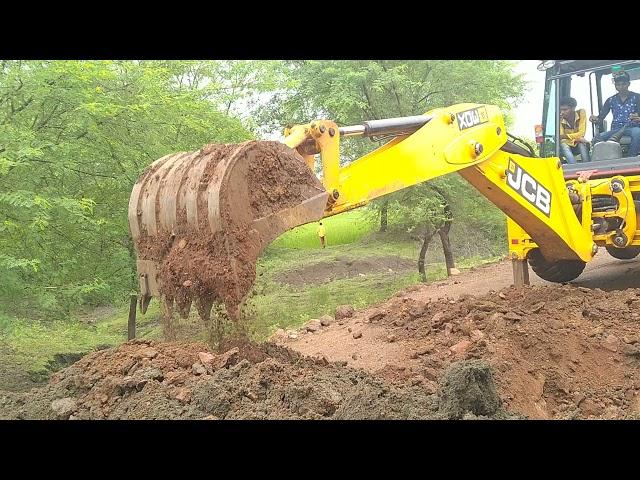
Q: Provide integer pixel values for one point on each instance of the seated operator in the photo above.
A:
(573, 126)
(625, 106)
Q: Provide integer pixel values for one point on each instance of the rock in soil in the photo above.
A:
(63, 407)
(326, 320)
(611, 343)
(206, 357)
(537, 340)
(279, 335)
(468, 389)
(545, 364)
(460, 348)
(312, 325)
(344, 311)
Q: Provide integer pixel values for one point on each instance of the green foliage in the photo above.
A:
(349, 92)
(281, 306)
(34, 343)
(74, 136)
(417, 209)
(287, 307)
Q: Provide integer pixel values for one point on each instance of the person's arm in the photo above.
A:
(635, 115)
(606, 108)
(637, 108)
(582, 127)
(563, 136)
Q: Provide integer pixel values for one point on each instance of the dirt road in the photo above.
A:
(604, 272)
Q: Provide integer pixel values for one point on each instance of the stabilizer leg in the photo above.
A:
(520, 272)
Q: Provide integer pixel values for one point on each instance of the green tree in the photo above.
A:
(74, 136)
(422, 211)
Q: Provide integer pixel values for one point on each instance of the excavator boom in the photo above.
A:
(469, 139)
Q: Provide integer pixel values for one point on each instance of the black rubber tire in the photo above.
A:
(624, 253)
(560, 271)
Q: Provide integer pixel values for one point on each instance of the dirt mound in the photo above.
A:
(208, 252)
(147, 380)
(467, 391)
(553, 352)
(322, 272)
(557, 352)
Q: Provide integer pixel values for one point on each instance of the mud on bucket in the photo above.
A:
(199, 220)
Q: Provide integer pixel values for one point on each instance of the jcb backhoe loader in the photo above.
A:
(241, 197)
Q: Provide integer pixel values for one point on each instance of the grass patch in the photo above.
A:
(275, 259)
(280, 306)
(34, 343)
(342, 229)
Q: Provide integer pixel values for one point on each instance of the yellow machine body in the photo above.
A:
(531, 191)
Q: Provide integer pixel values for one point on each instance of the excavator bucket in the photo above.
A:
(199, 220)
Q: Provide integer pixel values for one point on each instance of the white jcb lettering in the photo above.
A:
(526, 185)
(543, 201)
(529, 194)
(515, 181)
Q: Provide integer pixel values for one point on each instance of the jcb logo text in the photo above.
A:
(529, 188)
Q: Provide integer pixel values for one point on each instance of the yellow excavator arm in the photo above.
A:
(465, 138)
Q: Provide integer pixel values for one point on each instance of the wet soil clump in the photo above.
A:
(214, 196)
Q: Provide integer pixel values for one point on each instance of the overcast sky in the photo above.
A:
(529, 112)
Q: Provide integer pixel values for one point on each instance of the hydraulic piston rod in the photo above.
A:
(387, 126)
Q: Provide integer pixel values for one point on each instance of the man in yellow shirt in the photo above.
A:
(573, 126)
(321, 234)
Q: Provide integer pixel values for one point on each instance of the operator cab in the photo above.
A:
(590, 82)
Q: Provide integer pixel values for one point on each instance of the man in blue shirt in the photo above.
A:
(625, 106)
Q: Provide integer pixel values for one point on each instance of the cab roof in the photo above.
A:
(571, 66)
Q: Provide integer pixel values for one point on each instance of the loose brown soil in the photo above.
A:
(556, 352)
(145, 380)
(541, 352)
(323, 272)
(207, 264)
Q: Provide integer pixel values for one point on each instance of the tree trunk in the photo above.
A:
(446, 243)
(383, 216)
(423, 252)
